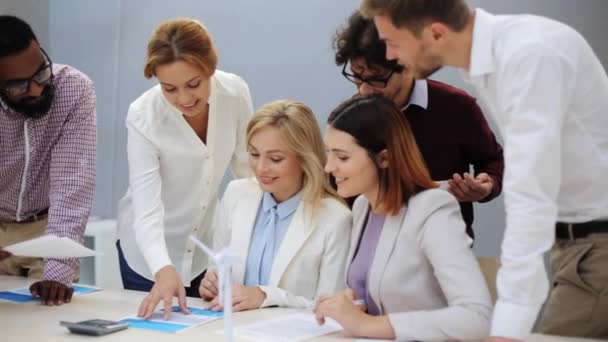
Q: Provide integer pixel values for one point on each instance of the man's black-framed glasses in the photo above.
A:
(374, 81)
(21, 86)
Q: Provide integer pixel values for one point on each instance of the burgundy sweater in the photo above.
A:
(452, 134)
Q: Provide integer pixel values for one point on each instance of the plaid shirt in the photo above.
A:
(50, 162)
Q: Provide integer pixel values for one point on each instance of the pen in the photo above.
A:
(358, 302)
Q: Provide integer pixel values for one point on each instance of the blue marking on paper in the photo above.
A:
(23, 295)
(154, 325)
(200, 312)
(84, 289)
(16, 297)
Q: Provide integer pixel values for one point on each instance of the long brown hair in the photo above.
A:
(377, 124)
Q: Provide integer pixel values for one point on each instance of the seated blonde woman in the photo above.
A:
(409, 260)
(288, 224)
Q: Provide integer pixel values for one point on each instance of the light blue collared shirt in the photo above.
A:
(420, 95)
(270, 227)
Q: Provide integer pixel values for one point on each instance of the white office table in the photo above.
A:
(38, 323)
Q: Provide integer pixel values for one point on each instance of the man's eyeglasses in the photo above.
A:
(374, 81)
(21, 86)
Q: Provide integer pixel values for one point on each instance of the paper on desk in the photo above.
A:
(50, 246)
(23, 295)
(294, 327)
(177, 322)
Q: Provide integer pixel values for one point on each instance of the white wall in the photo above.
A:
(282, 48)
(35, 12)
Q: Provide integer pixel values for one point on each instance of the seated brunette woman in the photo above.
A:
(409, 260)
(287, 223)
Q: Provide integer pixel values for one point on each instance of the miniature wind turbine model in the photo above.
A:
(224, 260)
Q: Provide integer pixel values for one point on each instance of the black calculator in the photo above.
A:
(95, 327)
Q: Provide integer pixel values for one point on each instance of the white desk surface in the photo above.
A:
(35, 322)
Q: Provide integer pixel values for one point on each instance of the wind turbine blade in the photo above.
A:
(205, 249)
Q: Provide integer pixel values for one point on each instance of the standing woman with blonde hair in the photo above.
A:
(288, 224)
(183, 134)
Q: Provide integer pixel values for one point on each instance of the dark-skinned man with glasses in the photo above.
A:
(449, 126)
(47, 157)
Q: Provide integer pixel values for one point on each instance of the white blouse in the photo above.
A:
(174, 177)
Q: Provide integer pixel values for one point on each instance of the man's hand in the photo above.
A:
(243, 298)
(4, 254)
(209, 285)
(469, 189)
(167, 285)
(52, 292)
(501, 339)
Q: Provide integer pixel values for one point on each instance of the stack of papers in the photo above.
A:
(50, 246)
(23, 295)
(177, 322)
(294, 327)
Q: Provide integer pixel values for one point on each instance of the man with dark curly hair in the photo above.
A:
(449, 127)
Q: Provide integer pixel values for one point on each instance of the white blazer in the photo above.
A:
(424, 275)
(311, 258)
(174, 177)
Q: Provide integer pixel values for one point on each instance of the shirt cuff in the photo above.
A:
(60, 270)
(513, 321)
(403, 330)
(269, 301)
(157, 261)
(494, 193)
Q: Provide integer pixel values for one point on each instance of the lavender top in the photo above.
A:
(359, 268)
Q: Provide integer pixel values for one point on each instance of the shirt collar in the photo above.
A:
(420, 95)
(482, 60)
(284, 208)
(9, 112)
(213, 85)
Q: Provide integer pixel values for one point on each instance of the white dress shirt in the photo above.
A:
(548, 94)
(174, 177)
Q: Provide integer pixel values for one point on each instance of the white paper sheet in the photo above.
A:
(50, 246)
(23, 295)
(176, 323)
(294, 327)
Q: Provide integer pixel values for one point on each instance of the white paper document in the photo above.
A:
(176, 323)
(23, 295)
(50, 246)
(294, 327)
